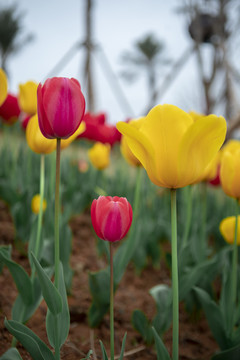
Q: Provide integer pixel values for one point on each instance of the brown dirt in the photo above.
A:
(196, 341)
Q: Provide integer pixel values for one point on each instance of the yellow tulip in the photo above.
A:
(35, 139)
(27, 97)
(99, 155)
(3, 86)
(66, 142)
(227, 229)
(35, 204)
(172, 147)
(125, 150)
(230, 169)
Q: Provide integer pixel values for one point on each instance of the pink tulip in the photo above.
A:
(60, 108)
(111, 217)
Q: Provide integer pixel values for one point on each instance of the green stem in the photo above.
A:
(174, 275)
(111, 303)
(57, 245)
(203, 240)
(188, 197)
(40, 214)
(235, 261)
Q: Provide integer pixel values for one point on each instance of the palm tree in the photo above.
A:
(147, 55)
(10, 34)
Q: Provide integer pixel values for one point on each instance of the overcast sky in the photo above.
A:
(58, 24)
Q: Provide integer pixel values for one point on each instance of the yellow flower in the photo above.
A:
(27, 97)
(230, 169)
(3, 86)
(35, 204)
(66, 142)
(125, 150)
(35, 139)
(173, 148)
(227, 229)
(195, 115)
(99, 155)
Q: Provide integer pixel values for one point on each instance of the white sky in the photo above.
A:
(58, 24)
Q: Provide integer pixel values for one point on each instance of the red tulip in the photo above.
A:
(9, 110)
(111, 217)
(61, 107)
(98, 131)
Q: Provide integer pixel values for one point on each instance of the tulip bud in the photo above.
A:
(99, 155)
(227, 229)
(27, 97)
(3, 86)
(35, 204)
(111, 217)
(61, 107)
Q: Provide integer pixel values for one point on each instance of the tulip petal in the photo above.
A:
(198, 147)
(3, 86)
(142, 148)
(227, 229)
(230, 173)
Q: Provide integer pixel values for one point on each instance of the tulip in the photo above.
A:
(27, 97)
(35, 139)
(125, 150)
(99, 155)
(61, 107)
(227, 229)
(98, 131)
(111, 220)
(174, 149)
(35, 204)
(3, 86)
(9, 110)
(111, 217)
(83, 166)
(230, 169)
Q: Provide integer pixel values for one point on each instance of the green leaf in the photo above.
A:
(214, 317)
(49, 291)
(190, 279)
(30, 341)
(88, 355)
(57, 336)
(11, 354)
(104, 354)
(142, 325)
(20, 277)
(162, 295)
(17, 310)
(229, 354)
(162, 353)
(123, 347)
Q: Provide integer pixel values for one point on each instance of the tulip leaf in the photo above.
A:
(50, 293)
(104, 354)
(89, 354)
(123, 346)
(162, 353)
(57, 335)
(30, 341)
(142, 325)
(22, 312)
(11, 354)
(190, 279)
(20, 277)
(162, 295)
(214, 317)
(229, 354)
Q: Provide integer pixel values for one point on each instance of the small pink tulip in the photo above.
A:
(61, 107)
(111, 217)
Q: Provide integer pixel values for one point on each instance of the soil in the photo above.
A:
(195, 340)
